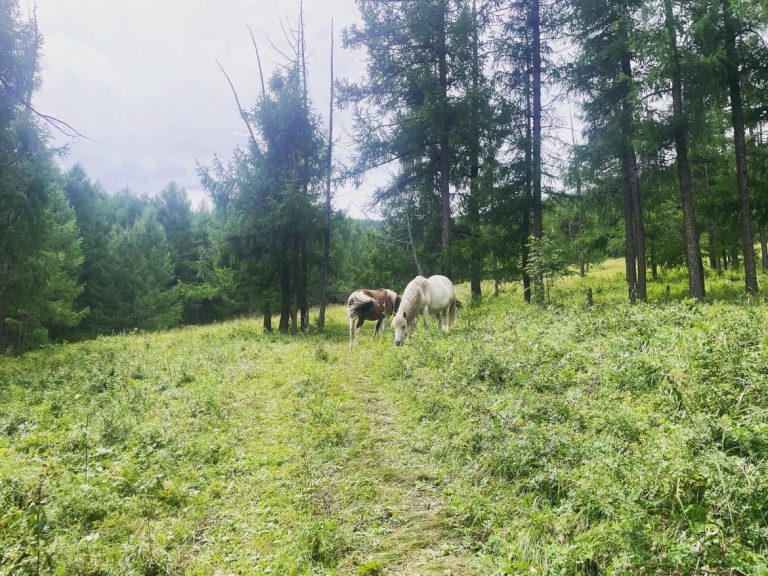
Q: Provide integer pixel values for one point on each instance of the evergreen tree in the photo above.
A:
(603, 74)
(39, 242)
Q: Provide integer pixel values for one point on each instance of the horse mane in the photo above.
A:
(410, 305)
(392, 297)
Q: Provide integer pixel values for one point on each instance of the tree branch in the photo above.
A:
(243, 114)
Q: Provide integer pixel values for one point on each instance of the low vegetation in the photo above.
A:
(614, 439)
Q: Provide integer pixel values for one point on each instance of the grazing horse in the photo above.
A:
(370, 305)
(433, 295)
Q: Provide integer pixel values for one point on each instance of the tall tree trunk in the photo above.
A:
(763, 249)
(295, 257)
(444, 147)
(285, 287)
(714, 260)
(630, 254)
(692, 248)
(734, 88)
(267, 316)
(473, 210)
(410, 241)
(303, 283)
(580, 200)
(328, 205)
(5, 273)
(633, 214)
(526, 231)
(538, 228)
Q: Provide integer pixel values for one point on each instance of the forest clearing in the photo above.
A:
(189, 192)
(555, 440)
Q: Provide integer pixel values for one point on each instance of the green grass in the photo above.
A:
(613, 440)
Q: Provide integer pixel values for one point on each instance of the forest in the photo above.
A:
(177, 393)
(527, 141)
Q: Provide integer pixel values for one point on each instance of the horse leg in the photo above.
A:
(379, 327)
(425, 314)
(351, 332)
(360, 322)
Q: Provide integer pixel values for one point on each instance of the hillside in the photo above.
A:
(618, 439)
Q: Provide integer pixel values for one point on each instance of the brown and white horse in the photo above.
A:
(370, 305)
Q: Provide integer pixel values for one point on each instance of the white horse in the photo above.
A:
(433, 295)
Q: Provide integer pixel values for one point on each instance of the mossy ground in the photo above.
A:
(613, 440)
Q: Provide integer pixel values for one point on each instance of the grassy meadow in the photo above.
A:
(613, 440)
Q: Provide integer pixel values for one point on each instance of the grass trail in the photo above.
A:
(218, 449)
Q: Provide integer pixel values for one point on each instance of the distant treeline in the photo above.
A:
(464, 100)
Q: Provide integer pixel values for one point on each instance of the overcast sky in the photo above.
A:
(139, 78)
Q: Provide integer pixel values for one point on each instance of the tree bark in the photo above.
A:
(267, 316)
(633, 214)
(526, 224)
(303, 283)
(763, 249)
(444, 147)
(714, 260)
(328, 205)
(285, 288)
(692, 249)
(538, 229)
(737, 117)
(473, 211)
(410, 241)
(630, 254)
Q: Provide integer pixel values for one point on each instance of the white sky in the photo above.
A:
(139, 78)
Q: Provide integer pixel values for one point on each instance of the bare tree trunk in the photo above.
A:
(763, 249)
(410, 241)
(328, 206)
(444, 148)
(633, 214)
(580, 200)
(267, 316)
(692, 248)
(528, 177)
(303, 283)
(538, 228)
(5, 273)
(473, 211)
(714, 252)
(630, 255)
(734, 88)
(285, 289)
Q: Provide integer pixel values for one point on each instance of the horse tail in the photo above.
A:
(455, 305)
(359, 303)
(360, 308)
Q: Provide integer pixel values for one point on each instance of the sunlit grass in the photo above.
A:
(621, 439)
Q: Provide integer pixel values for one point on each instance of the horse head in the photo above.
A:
(400, 326)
